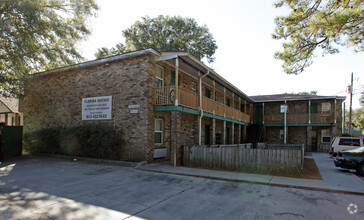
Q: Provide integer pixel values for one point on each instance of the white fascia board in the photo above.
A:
(100, 61)
(170, 55)
(314, 98)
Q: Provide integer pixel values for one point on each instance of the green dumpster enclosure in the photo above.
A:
(10, 141)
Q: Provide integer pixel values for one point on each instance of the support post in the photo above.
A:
(224, 132)
(214, 130)
(176, 95)
(351, 101)
(245, 112)
(285, 121)
(263, 113)
(335, 112)
(309, 111)
(213, 91)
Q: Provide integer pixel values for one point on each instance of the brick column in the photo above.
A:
(232, 133)
(309, 139)
(176, 150)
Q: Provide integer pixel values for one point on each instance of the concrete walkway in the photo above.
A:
(333, 179)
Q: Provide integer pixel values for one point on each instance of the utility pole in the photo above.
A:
(351, 100)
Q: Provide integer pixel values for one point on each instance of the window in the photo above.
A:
(159, 76)
(326, 108)
(325, 136)
(313, 108)
(228, 102)
(247, 109)
(194, 87)
(158, 131)
(208, 93)
(350, 141)
(281, 133)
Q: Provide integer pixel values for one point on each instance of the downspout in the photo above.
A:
(200, 108)
(285, 121)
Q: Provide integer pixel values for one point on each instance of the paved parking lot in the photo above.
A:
(335, 175)
(49, 188)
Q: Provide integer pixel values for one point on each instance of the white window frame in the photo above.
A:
(322, 135)
(322, 108)
(157, 77)
(194, 87)
(161, 130)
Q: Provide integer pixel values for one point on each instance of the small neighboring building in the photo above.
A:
(10, 111)
(313, 120)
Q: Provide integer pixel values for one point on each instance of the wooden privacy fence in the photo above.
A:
(235, 157)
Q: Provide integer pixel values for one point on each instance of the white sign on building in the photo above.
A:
(97, 108)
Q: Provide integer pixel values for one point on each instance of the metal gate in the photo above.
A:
(10, 141)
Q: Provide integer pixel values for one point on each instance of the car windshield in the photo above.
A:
(358, 150)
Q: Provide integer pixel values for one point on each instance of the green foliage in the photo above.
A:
(313, 25)
(94, 140)
(36, 35)
(357, 117)
(166, 33)
(313, 93)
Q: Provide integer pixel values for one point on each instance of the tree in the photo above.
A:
(313, 93)
(36, 35)
(357, 117)
(166, 33)
(318, 24)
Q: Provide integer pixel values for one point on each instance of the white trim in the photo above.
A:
(99, 61)
(162, 128)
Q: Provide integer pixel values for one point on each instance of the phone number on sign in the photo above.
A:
(96, 116)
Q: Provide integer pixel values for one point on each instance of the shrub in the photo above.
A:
(92, 140)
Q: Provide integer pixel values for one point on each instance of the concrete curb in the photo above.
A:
(259, 182)
(93, 160)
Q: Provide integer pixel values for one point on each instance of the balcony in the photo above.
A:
(300, 119)
(165, 97)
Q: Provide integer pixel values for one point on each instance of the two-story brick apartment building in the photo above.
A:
(312, 120)
(159, 101)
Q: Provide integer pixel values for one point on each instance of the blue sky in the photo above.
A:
(242, 30)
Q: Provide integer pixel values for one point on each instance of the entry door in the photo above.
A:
(259, 114)
(227, 141)
(314, 140)
(207, 134)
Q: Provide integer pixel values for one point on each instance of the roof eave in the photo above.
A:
(313, 98)
(100, 61)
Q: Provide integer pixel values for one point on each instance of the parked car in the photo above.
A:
(345, 143)
(351, 159)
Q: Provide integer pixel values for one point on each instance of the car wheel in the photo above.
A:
(361, 168)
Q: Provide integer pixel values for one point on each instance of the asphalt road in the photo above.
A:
(48, 188)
